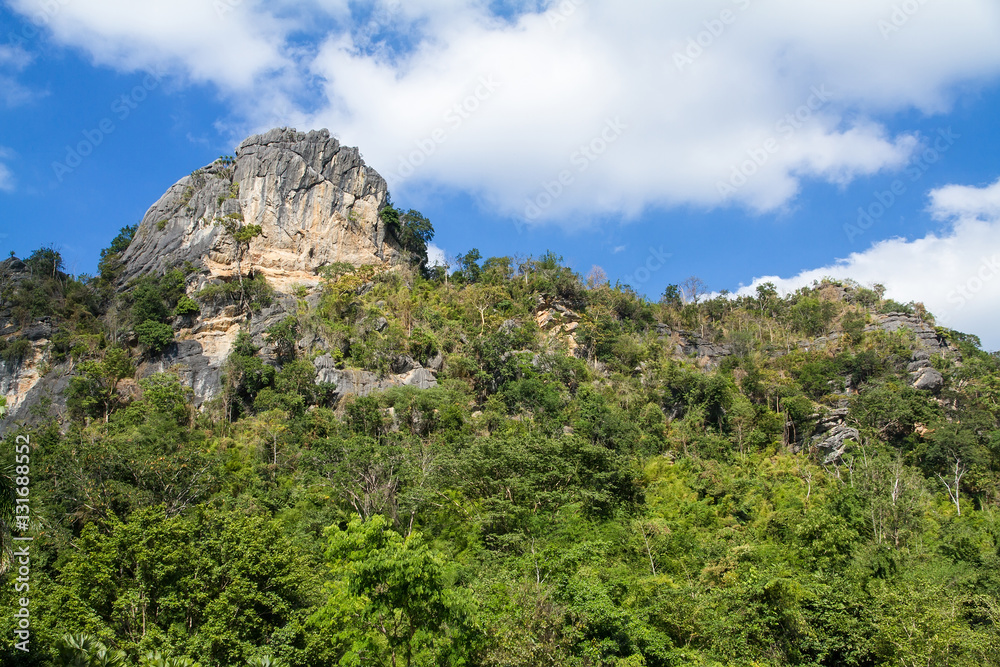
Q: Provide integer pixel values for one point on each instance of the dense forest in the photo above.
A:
(577, 489)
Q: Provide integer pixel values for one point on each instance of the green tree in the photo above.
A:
(390, 602)
(242, 235)
(93, 390)
(415, 233)
(45, 262)
(469, 266)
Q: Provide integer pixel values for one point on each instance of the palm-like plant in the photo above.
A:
(265, 661)
(87, 651)
(157, 659)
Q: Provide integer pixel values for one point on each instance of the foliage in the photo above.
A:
(186, 306)
(256, 292)
(592, 481)
(412, 230)
(93, 390)
(13, 352)
(154, 336)
(389, 600)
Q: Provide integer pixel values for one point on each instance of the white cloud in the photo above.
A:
(561, 75)
(6, 176)
(686, 129)
(6, 179)
(227, 42)
(13, 60)
(435, 255)
(955, 273)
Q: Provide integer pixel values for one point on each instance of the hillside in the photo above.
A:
(268, 430)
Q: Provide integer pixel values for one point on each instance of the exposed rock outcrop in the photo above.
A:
(832, 435)
(316, 203)
(927, 337)
(362, 383)
(693, 344)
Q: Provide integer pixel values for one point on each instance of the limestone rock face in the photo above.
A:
(362, 383)
(315, 200)
(832, 435)
(925, 335)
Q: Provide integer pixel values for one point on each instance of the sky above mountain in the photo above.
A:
(734, 140)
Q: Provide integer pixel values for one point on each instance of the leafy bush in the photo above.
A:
(154, 336)
(16, 351)
(186, 306)
(258, 292)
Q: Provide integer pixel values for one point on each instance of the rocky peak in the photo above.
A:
(315, 201)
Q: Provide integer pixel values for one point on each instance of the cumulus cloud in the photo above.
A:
(226, 42)
(573, 109)
(955, 273)
(773, 94)
(6, 179)
(435, 255)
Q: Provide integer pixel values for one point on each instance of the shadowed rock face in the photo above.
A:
(315, 200)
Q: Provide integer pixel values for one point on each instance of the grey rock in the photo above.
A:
(41, 330)
(927, 339)
(380, 324)
(316, 201)
(928, 380)
(918, 365)
(831, 420)
(402, 364)
(436, 363)
(834, 442)
(362, 383)
(193, 368)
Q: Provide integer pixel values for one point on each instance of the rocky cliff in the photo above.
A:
(315, 201)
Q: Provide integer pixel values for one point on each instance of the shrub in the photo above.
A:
(258, 292)
(154, 336)
(186, 306)
(16, 351)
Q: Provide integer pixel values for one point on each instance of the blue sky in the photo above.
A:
(734, 140)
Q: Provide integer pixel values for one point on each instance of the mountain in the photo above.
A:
(268, 433)
(311, 202)
(304, 204)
